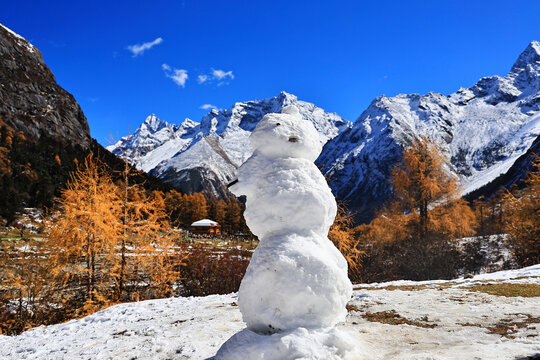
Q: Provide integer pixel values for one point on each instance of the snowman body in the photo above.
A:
(296, 277)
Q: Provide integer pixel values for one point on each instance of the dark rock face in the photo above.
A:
(198, 179)
(30, 99)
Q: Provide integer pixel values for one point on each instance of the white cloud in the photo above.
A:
(208, 107)
(179, 76)
(139, 49)
(202, 78)
(220, 74)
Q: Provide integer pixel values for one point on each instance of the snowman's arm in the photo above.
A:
(235, 181)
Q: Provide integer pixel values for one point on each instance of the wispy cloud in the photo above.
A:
(202, 78)
(179, 76)
(218, 76)
(139, 49)
(208, 107)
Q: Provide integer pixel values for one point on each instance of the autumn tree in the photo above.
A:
(430, 196)
(152, 267)
(522, 217)
(173, 206)
(217, 210)
(417, 226)
(343, 236)
(24, 285)
(84, 234)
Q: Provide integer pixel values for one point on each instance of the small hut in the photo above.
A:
(206, 226)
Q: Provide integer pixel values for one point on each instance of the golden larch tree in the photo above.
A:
(84, 234)
(522, 217)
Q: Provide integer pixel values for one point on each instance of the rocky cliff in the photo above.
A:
(30, 99)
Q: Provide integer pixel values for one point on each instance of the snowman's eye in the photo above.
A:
(277, 124)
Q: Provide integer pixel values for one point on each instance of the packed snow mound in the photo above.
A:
(300, 343)
(296, 185)
(294, 281)
(286, 135)
(296, 278)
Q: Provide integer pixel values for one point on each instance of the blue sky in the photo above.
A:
(337, 54)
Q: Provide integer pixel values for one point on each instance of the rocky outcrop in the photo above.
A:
(30, 99)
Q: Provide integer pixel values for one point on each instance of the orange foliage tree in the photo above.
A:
(522, 217)
(417, 226)
(84, 235)
(429, 194)
(342, 235)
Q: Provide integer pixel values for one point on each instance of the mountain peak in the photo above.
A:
(286, 99)
(530, 56)
(153, 123)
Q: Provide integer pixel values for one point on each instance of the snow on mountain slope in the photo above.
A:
(482, 129)
(212, 150)
(446, 321)
(153, 141)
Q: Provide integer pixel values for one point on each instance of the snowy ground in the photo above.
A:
(431, 320)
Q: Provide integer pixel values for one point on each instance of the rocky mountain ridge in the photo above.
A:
(483, 130)
(205, 156)
(30, 99)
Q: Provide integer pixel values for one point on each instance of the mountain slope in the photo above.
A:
(482, 129)
(30, 99)
(43, 131)
(205, 156)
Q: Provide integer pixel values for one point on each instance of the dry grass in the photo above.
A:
(509, 327)
(439, 286)
(393, 318)
(508, 290)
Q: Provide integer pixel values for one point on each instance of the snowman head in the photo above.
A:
(286, 135)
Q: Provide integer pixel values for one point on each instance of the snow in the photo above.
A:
(219, 143)
(299, 343)
(482, 130)
(296, 287)
(20, 40)
(196, 327)
(205, 222)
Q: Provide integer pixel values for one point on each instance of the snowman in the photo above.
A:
(296, 287)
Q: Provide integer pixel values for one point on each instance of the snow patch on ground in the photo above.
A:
(195, 327)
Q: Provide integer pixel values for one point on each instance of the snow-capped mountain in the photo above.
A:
(155, 140)
(483, 130)
(205, 156)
